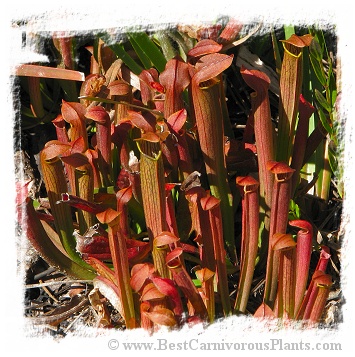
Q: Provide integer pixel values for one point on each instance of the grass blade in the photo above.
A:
(147, 51)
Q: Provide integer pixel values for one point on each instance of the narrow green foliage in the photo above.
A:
(147, 51)
(120, 52)
(165, 43)
(289, 31)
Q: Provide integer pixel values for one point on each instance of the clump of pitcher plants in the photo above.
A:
(145, 179)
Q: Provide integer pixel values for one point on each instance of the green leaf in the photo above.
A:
(319, 36)
(164, 41)
(147, 63)
(289, 31)
(184, 45)
(294, 211)
(108, 189)
(333, 161)
(96, 47)
(316, 50)
(276, 48)
(307, 89)
(325, 121)
(197, 283)
(27, 112)
(318, 70)
(36, 204)
(322, 101)
(48, 100)
(332, 87)
(147, 51)
(28, 120)
(120, 52)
